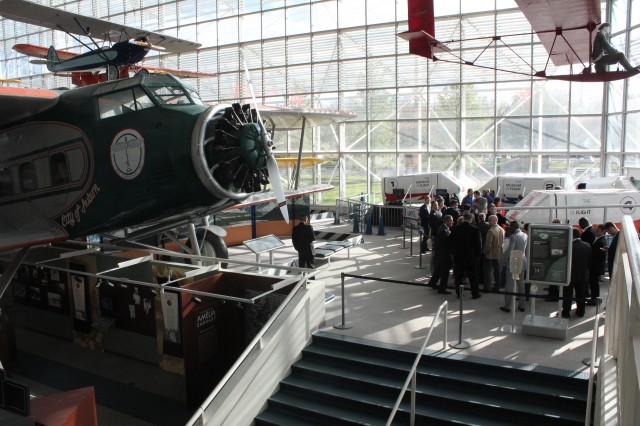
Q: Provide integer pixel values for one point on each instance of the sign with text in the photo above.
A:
(549, 254)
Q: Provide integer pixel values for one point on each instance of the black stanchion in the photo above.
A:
(462, 344)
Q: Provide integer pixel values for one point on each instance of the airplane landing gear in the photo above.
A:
(208, 244)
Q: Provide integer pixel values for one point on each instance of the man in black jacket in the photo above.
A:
(302, 238)
(605, 54)
(598, 262)
(580, 261)
(442, 256)
(611, 252)
(467, 247)
(588, 233)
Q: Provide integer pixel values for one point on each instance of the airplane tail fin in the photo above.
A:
(421, 19)
(52, 59)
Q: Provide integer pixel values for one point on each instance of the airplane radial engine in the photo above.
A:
(229, 153)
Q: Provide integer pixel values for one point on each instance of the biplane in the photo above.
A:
(566, 29)
(125, 46)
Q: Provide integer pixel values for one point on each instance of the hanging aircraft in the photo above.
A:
(85, 78)
(564, 27)
(115, 61)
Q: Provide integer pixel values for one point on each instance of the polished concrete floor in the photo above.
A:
(399, 311)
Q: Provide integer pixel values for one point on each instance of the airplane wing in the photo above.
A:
(573, 18)
(58, 19)
(177, 73)
(15, 240)
(268, 197)
(279, 118)
(304, 161)
(18, 103)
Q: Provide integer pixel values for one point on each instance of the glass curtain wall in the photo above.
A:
(414, 116)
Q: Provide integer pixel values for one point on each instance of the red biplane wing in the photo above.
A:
(564, 27)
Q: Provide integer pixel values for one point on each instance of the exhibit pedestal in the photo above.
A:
(555, 328)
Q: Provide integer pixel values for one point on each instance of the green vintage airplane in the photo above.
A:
(142, 152)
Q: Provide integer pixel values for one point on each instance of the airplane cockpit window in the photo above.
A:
(59, 169)
(6, 182)
(28, 177)
(123, 102)
(171, 95)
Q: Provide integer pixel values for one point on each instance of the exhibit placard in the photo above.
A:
(549, 254)
(264, 244)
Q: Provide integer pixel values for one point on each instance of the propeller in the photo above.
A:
(272, 165)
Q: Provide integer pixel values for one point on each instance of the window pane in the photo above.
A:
(356, 171)
(351, 13)
(444, 101)
(585, 133)
(550, 133)
(412, 135)
(298, 20)
(514, 134)
(382, 135)
(478, 134)
(444, 135)
(355, 138)
(324, 16)
(632, 135)
(412, 103)
(379, 11)
(614, 133)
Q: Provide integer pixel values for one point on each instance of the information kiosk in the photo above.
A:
(549, 263)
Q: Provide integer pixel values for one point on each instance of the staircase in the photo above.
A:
(344, 381)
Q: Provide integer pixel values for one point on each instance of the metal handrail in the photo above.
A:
(256, 342)
(412, 374)
(594, 351)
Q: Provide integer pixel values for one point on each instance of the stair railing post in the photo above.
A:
(461, 344)
(343, 325)
(587, 361)
(414, 379)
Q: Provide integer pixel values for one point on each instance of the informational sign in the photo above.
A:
(264, 244)
(549, 254)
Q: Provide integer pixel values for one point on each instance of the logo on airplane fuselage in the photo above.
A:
(127, 154)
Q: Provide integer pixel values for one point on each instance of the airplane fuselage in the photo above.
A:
(120, 54)
(120, 154)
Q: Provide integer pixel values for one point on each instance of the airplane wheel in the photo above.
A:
(212, 246)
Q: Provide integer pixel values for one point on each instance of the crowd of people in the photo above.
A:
(474, 239)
